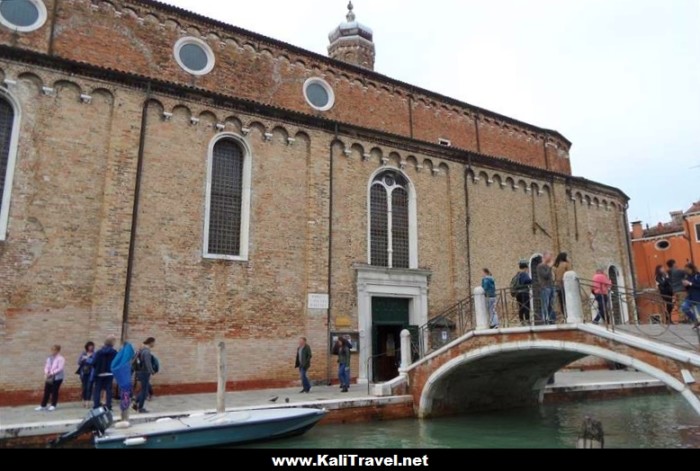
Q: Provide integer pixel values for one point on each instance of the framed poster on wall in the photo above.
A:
(353, 337)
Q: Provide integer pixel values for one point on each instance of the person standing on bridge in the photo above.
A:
(561, 266)
(545, 279)
(691, 305)
(663, 283)
(601, 290)
(677, 277)
(488, 282)
(521, 290)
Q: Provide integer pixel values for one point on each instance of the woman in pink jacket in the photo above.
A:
(53, 378)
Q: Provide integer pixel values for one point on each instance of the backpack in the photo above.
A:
(138, 362)
(515, 285)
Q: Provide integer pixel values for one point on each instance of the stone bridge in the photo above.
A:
(507, 368)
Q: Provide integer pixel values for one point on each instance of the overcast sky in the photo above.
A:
(618, 78)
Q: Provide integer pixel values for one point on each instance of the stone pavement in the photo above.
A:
(25, 421)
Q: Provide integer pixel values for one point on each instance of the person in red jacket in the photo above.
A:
(601, 291)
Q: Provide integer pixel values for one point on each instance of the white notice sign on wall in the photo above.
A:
(318, 301)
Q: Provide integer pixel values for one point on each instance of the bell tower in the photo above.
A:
(351, 42)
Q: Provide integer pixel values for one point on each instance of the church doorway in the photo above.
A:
(389, 317)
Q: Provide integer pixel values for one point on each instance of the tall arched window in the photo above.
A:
(8, 150)
(228, 200)
(390, 221)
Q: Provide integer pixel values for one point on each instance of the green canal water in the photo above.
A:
(664, 421)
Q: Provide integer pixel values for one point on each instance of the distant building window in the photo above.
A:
(22, 15)
(445, 142)
(319, 94)
(697, 232)
(9, 130)
(390, 221)
(663, 245)
(194, 56)
(228, 200)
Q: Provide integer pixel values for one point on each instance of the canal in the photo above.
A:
(663, 421)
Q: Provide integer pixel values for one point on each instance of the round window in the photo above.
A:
(22, 15)
(194, 56)
(319, 95)
(663, 245)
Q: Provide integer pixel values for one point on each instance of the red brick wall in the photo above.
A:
(138, 38)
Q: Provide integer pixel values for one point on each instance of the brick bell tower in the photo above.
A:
(351, 42)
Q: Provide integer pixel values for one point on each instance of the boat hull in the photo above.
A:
(214, 430)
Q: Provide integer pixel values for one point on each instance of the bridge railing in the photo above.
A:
(451, 324)
(525, 309)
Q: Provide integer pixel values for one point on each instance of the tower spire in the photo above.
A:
(352, 42)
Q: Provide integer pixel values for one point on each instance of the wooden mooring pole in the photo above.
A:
(221, 380)
(592, 435)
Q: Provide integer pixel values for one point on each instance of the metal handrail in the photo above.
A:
(372, 358)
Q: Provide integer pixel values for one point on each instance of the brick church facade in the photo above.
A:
(168, 175)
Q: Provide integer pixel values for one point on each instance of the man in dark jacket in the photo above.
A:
(545, 279)
(691, 305)
(303, 362)
(677, 277)
(144, 371)
(102, 372)
(522, 293)
(343, 348)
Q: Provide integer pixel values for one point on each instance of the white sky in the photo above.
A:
(619, 78)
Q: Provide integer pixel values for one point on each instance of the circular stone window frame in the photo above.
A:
(43, 16)
(326, 86)
(211, 58)
(665, 242)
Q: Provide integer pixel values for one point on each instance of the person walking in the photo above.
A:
(144, 371)
(85, 371)
(53, 378)
(488, 282)
(303, 362)
(663, 283)
(677, 276)
(561, 266)
(545, 280)
(521, 288)
(102, 373)
(691, 304)
(601, 291)
(343, 348)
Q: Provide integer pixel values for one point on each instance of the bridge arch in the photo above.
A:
(520, 375)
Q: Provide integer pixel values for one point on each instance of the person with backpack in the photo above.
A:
(144, 371)
(691, 304)
(488, 282)
(102, 373)
(520, 290)
(85, 371)
(663, 283)
(677, 278)
(342, 348)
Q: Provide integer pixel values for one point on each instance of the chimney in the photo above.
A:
(637, 230)
(677, 217)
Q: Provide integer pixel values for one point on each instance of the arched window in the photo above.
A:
(8, 150)
(228, 200)
(391, 243)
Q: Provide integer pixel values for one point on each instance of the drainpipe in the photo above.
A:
(410, 115)
(468, 225)
(135, 216)
(329, 374)
(52, 34)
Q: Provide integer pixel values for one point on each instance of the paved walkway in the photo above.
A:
(188, 403)
(25, 421)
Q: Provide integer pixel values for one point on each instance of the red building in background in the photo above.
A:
(678, 239)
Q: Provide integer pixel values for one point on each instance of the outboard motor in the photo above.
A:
(96, 422)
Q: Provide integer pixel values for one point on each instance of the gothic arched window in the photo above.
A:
(228, 200)
(8, 151)
(390, 244)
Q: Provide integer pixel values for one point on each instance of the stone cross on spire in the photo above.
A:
(351, 14)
